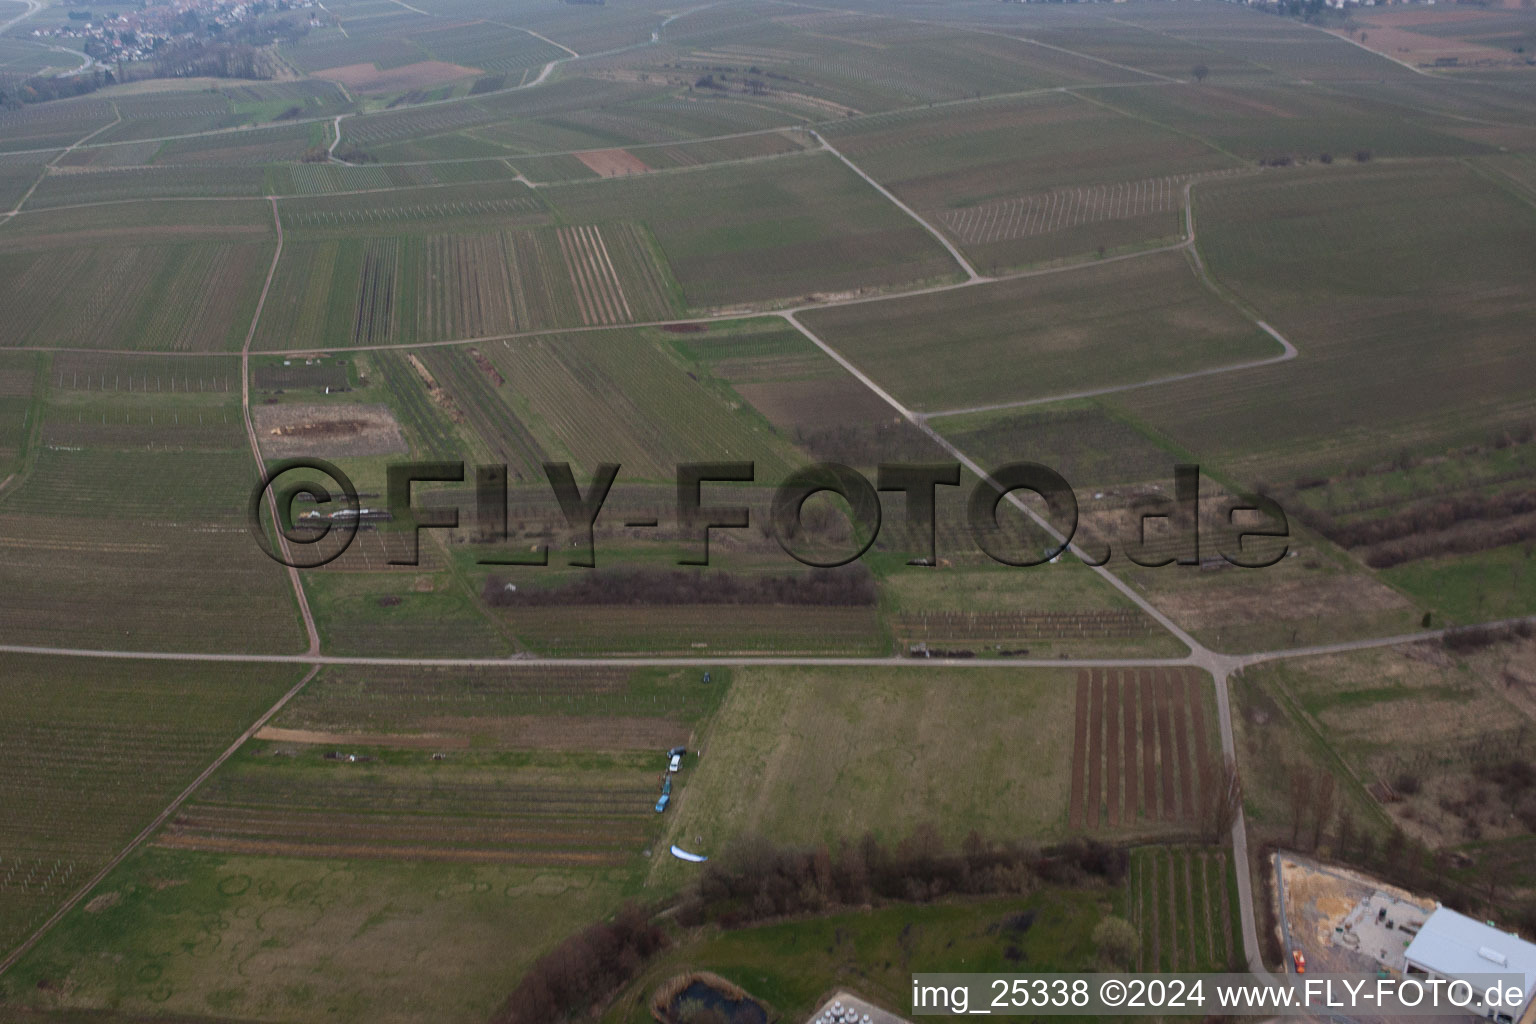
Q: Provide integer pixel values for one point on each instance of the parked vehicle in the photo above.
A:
(661, 804)
(676, 763)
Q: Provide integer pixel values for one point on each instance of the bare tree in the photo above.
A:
(1301, 795)
(1322, 806)
(1221, 797)
(1346, 831)
(1200, 71)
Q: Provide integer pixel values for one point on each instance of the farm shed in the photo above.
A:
(1452, 946)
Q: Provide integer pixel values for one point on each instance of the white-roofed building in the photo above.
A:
(1454, 946)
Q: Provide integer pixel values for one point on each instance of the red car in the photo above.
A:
(1299, 960)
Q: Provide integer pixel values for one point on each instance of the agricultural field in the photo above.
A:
(967, 603)
(807, 398)
(52, 127)
(1084, 441)
(365, 606)
(627, 397)
(1297, 243)
(1143, 750)
(1183, 901)
(400, 857)
(701, 630)
(1316, 596)
(1161, 322)
(518, 121)
(459, 283)
(18, 173)
(1027, 180)
(765, 231)
(1264, 120)
(649, 158)
(66, 187)
(99, 747)
(849, 63)
(1305, 591)
(1316, 432)
(502, 709)
(125, 521)
(157, 276)
(19, 372)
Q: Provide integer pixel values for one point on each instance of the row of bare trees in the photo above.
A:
(756, 879)
(584, 970)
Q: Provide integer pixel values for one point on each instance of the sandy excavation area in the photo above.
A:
(327, 430)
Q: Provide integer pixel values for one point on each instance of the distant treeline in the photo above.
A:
(846, 587)
(198, 58)
(15, 92)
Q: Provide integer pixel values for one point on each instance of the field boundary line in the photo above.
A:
(160, 819)
(1195, 647)
(965, 264)
(518, 177)
(1288, 350)
(1378, 53)
(250, 432)
(117, 119)
(619, 661)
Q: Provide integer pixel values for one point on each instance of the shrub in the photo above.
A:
(1117, 943)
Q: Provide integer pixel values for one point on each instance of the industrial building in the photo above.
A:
(1454, 946)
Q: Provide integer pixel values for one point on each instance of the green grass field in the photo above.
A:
(806, 755)
(1495, 584)
(793, 966)
(307, 940)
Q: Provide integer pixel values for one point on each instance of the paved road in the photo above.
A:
(33, 6)
(1210, 661)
